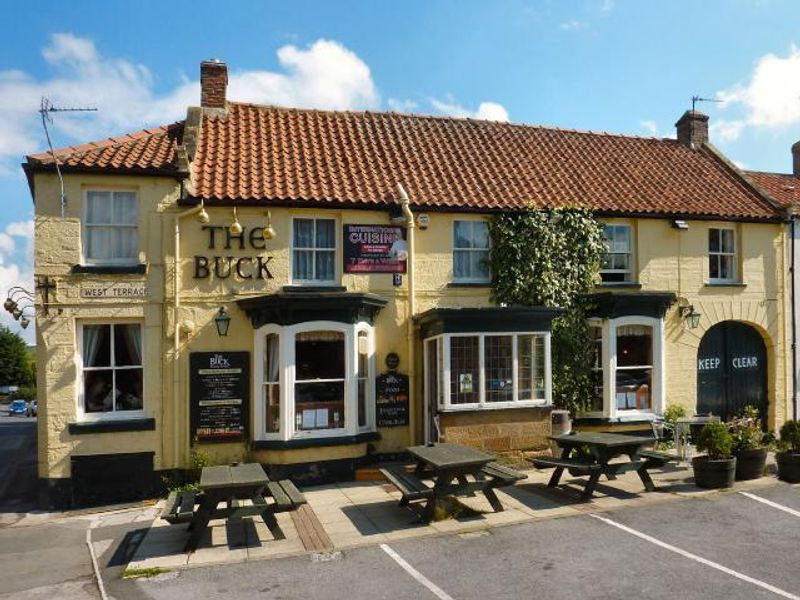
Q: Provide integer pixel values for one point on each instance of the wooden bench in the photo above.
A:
(573, 464)
(411, 487)
(502, 475)
(286, 495)
(655, 459)
(179, 507)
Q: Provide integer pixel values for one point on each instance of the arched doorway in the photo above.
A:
(731, 370)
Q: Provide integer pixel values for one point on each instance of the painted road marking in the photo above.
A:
(700, 559)
(98, 578)
(785, 509)
(435, 589)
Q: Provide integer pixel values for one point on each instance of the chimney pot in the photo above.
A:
(213, 83)
(692, 128)
(796, 159)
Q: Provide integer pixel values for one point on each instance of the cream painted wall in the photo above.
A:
(667, 260)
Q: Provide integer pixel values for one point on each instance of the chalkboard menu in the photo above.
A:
(219, 395)
(392, 399)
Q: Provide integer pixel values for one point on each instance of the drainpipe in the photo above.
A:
(176, 340)
(793, 229)
(412, 303)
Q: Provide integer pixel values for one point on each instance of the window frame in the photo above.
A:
(454, 249)
(609, 367)
(629, 272)
(86, 226)
(114, 415)
(287, 429)
(443, 403)
(733, 255)
(337, 275)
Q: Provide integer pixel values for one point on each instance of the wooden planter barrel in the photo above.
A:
(714, 473)
(788, 466)
(750, 464)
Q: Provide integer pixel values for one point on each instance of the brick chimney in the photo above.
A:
(692, 128)
(213, 83)
(796, 159)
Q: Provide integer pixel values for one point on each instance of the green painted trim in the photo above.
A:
(112, 426)
(344, 440)
(506, 319)
(610, 305)
(290, 308)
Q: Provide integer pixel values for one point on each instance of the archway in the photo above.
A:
(731, 370)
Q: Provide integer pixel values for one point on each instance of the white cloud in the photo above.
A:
(490, 111)
(727, 131)
(405, 106)
(770, 99)
(20, 228)
(649, 126)
(574, 25)
(16, 270)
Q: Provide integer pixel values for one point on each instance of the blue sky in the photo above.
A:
(609, 65)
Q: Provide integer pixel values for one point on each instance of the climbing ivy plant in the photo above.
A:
(552, 258)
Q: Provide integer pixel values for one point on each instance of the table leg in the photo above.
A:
(646, 479)
(588, 491)
(199, 523)
(272, 524)
(555, 477)
(430, 508)
(497, 506)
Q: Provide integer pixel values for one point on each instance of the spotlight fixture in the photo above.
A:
(269, 231)
(24, 322)
(680, 224)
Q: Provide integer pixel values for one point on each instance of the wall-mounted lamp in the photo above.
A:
(680, 224)
(222, 321)
(24, 322)
(269, 231)
(202, 215)
(235, 227)
(691, 316)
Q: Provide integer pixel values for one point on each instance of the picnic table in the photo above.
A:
(449, 466)
(602, 448)
(234, 485)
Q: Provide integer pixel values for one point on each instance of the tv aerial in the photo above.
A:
(696, 99)
(46, 111)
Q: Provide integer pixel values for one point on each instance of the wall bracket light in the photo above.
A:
(222, 321)
(691, 316)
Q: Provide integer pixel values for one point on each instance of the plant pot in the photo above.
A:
(788, 466)
(750, 464)
(560, 424)
(714, 473)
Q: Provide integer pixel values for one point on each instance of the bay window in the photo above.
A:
(316, 380)
(487, 370)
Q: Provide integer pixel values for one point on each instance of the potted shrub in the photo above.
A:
(748, 444)
(718, 467)
(789, 458)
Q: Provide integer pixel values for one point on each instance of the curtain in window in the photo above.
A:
(91, 343)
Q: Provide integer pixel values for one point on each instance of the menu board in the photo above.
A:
(392, 399)
(219, 395)
(374, 249)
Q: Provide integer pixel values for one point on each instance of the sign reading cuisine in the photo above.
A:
(392, 399)
(219, 395)
(374, 249)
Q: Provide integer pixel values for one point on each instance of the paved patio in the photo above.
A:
(352, 514)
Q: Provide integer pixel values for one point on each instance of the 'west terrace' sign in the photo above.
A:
(241, 267)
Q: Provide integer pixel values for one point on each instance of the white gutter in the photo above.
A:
(412, 302)
(176, 339)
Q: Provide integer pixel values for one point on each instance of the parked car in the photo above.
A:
(33, 408)
(18, 407)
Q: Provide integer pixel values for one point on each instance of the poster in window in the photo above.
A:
(219, 395)
(374, 249)
(392, 399)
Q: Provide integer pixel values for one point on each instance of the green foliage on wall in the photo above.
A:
(552, 258)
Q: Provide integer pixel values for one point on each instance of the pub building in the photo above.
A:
(310, 290)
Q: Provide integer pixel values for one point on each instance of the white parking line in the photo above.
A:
(785, 509)
(435, 589)
(700, 559)
(98, 577)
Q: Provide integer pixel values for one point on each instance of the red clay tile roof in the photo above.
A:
(784, 187)
(145, 150)
(265, 154)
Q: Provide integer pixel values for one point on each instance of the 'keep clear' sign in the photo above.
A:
(712, 363)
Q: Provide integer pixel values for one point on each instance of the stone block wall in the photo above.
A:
(511, 431)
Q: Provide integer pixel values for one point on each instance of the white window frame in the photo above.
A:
(734, 255)
(122, 415)
(444, 403)
(609, 361)
(336, 253)
(287, 379)
(455, 249)
(86, 226)
(628, 273)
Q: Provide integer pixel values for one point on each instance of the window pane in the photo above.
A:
(362, 402)
(325, 265)
(362, 348)
(434, 372)
(464, 370)
(97, 394)
(326, 233)
(98, 243)
(124, 243)
(272, 390)
(98, 207)
(96, 345)
(713, 240)
(498, 368)
(129, 389)
(303, 264)
(462, 234)
(480, 238)
(725, 267)
(634, 346)
(461, 264)
(272, 393)
(633, 389)
(304, 233)
(319, 405)
(713, 266)
(319, 355)
(127, 345)
(530, 361)
(125, 208)
(479, 265)
(727, 240)
(271, 358)
(621, 262)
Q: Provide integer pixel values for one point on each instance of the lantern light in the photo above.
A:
(222, 321)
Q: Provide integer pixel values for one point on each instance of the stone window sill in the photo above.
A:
(620, 284)
(140, 269)
(344, 440)
(724, 284)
